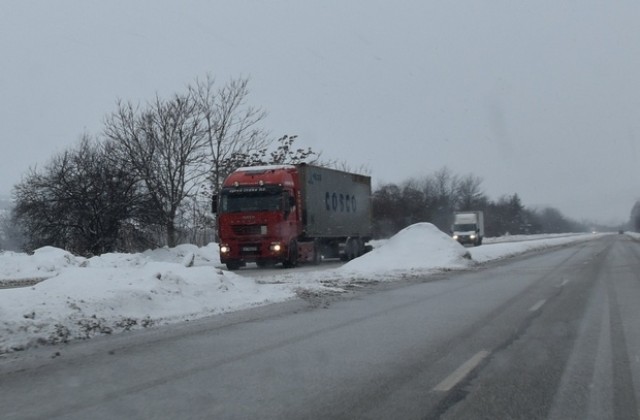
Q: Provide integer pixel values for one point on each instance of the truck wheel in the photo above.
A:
(351, 250)
(359, 248)
(317, 257)
(345, 256)
(292, 258)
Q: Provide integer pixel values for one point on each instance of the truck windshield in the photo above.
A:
(466, 227)
(251, 202)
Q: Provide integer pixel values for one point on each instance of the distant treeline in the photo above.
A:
(77, 215)
(435, 197)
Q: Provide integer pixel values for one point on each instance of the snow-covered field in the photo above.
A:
(80, 298)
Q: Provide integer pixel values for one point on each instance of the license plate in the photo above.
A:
(250, 248)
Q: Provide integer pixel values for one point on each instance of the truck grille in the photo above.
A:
(249, 230)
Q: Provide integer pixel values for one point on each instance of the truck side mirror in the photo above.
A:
(214, 204)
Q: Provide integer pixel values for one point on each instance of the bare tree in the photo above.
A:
(469, 193)
(78, 202)
(284, 154)
(387, 210)
(414, 208)
(230, 126)
(164, 145)
(440, 196)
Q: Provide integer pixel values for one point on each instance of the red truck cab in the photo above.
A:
(259, 214)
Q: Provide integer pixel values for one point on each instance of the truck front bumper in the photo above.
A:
(465, 239)
(254, 251)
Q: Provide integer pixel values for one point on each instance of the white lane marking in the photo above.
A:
(460, 373)
(564, 283)
(538, 305)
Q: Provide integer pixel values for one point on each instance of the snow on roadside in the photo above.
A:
(523, 238)
(499, 250)
(83, 297)
(421, 247)
(116, 292)
(633, 235)
(45, 263)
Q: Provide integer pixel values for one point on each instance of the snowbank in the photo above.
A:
(44, 263)
(81, 297)
(505, 247)
(421, 247)
(119, 292)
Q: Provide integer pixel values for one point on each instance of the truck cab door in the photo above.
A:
(289, 204)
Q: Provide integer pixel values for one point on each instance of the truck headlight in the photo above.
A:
(472, 236)
(275, 247)
(224, 249)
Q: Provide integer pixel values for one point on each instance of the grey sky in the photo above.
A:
(541, 98)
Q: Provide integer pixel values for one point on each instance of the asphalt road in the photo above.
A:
(553, 335)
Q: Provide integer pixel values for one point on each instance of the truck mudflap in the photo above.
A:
(309, 252)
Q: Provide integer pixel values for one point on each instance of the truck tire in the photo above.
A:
(317, 255)
(292, 257)
(359, 247)
(346, 252)
(352, 249)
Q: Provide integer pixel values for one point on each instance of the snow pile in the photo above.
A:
(421, 247)
(186, 255)
(115, 292)
(120, 292)
(633, 235)
(207, 255)
(45, 263)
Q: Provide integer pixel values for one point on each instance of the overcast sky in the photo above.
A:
(539, 98)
